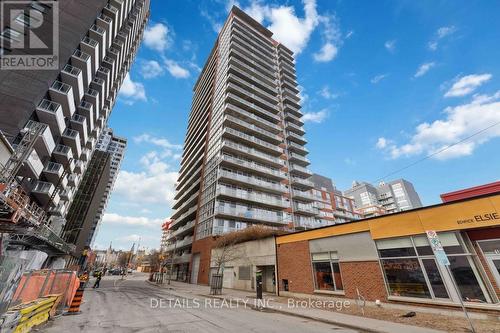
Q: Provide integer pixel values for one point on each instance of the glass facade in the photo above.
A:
(326, 270)
(411, 270)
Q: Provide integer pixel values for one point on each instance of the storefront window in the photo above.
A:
(405, 278)
(411, 269)
(327, 271)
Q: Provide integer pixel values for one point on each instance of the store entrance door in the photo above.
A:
(491, 250)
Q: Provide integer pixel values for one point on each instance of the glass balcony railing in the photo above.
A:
(252, 152)
(253, 128)
(53, 167)
(302, 181)
(299, 168)
(253, 140)
(43, 187)
(70, 133)
(253, 106)
(244, 212)
(252, 181)
(254, 166)
(78, 118)
(254, 117)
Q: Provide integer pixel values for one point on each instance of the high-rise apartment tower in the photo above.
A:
(98, 41)
(244, 161)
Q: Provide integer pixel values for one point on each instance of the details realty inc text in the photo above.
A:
(216, 303)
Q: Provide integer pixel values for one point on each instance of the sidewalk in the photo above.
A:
(274, 303)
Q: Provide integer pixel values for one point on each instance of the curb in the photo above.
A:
(331, 322)
(299, 315)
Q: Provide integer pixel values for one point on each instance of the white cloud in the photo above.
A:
(382, 143)
(113, 218)
(155, 182)
(135, 238)
(326, 93)
(467, 84)
(445, 31)
(376, 79)
(459, 124)
(157, 37)
(294, 31)
(176, 70)
(390, 45)
(327, 53)
(315, 117)
(424, 68)
(151, 69)
(440, 34)
(132, 91)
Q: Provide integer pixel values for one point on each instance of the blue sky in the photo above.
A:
(384, 84)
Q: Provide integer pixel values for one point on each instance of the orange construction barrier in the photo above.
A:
(77, 300)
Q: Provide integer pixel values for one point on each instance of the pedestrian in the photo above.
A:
(97, 280)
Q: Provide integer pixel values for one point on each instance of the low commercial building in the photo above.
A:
(245, 259)
(389, 258)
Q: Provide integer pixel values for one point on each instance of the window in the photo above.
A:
(327, 271)
(411, 270)
(244, 272)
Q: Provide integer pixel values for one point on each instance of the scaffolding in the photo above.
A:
(25, 221)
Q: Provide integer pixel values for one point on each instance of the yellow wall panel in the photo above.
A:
(395, 225)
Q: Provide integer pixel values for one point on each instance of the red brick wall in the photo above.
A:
(204, 248)
(487, 269)
(294, 264)
(366, 276)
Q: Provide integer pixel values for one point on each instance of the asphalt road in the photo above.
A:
(133, 305)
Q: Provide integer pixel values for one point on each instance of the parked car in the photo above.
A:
(130, 271)
(115, 271)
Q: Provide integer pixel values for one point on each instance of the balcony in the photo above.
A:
(183, 258)
(254, 119)
(251, 87)
(53, 172)
(105, 74)
(71, 138)
(254, 167)
(254, 197)
(91, 141)
(292, 146)
(296, 137)
(242, 126)
(180, 244)
(252, 153)
(110, 64)
(252, 141)
(303, 195)
(43, 191)
(291, 107)
(106, 23)
(114, 14)
(302, 182)
(83, 61)
(99, 34)
(244, 180)
(63, 94)
(185, 229)
(306, 209)
(51, 113)
(297, 169)
(73, 77)
(245, 213)
(92, 97)
(304, 222)
(238, 101)
(85, 156)
(91, 47)
(87, 110)
(190, 213)
(99, 85)
(247, 95)
(252, 72)
(74, 179)
(79, 167)
(67, 194)
(79, 123)
(33, 166)
(298, 159)
(60, 209)
(294, 119)
(294, 127)
(63, 154)
(44, 145)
